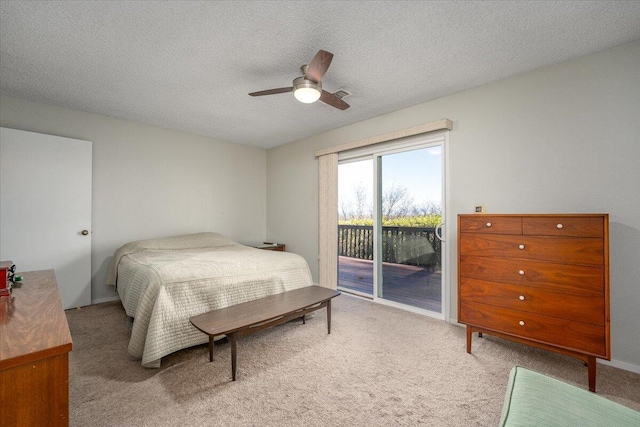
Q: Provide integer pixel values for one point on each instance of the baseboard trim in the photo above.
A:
(455, 322)
(621, 365)
(106, 299)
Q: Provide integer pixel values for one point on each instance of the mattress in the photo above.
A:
(163, 282)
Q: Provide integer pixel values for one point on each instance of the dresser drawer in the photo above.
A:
(574, 279)
(582, 308)
(490, 224)
(568, 334)
(568, 226)
(571, 250)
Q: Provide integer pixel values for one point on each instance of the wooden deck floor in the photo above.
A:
(406, 284)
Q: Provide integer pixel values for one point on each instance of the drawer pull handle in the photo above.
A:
(521, 323)
(521, 272)
(488, 224)
(521, 297)
(521, 247)
(559, 225)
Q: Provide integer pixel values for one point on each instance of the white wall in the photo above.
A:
(152, 182)
(563, 139)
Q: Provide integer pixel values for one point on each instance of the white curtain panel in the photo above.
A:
(328, 220)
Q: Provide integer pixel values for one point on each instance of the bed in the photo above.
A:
(163, 282)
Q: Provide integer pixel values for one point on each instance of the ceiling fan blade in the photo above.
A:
(318, 66)
(272, 91)
(334, 101)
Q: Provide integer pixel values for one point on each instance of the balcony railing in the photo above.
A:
(400, 245)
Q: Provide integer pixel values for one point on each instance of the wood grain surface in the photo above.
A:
(564, 333)
(542, 279)
(567, 278)
(236, 317)
(575, 226)
(37, 326)
(587, 308)
(569, 250)
(494, 224)
(34, 354)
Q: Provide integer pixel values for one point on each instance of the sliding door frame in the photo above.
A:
(350, 159)
(376, 152)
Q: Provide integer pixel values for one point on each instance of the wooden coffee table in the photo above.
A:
(244, 319)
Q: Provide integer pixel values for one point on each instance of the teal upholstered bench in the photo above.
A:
(533, 399)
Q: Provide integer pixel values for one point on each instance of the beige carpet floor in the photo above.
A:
(380, 366)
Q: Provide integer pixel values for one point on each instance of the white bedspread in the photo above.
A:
(163, 282)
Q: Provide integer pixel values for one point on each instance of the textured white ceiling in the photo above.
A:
(189, 65)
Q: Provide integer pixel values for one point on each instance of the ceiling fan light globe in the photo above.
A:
(306, 91)
(308, 95)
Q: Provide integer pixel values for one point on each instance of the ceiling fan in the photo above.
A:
(308, 87)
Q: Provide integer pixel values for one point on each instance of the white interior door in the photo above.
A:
(45, 205)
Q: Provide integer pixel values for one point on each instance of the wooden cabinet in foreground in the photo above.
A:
(34, 354)
(541, 280)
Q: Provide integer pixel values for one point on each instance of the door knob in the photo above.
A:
(85, 232)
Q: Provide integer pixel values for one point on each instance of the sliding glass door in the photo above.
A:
(410, 209)
(355, 226)
(391, 206)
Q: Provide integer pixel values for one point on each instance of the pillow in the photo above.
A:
(186, 241)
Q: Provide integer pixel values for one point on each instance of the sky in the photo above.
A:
(420, 171)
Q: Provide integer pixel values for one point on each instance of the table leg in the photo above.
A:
(329, 317)
(469, 332)
(210, 348)
(591, 369)
(234, 352)
(304, 319)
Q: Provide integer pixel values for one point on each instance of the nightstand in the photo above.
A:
(269, 246)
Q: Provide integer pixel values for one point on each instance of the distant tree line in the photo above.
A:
(398, 209)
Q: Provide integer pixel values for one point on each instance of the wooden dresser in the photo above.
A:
(541, 280)
(34, 354)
